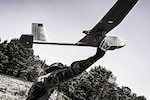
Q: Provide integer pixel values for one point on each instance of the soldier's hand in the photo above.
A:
(104, 45)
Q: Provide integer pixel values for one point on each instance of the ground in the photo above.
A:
(12, 88)
(15, 89)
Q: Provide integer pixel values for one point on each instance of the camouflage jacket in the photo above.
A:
(45, 85)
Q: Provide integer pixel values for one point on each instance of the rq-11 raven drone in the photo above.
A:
(94, 36)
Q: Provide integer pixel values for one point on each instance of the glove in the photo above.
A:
(104, 45)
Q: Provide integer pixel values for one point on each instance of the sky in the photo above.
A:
(65, 20)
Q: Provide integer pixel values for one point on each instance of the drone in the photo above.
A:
(93, 37)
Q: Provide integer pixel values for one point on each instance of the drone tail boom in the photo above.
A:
(27, 41)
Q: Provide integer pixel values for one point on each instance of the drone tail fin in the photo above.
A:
(39, 32)
(26, 40)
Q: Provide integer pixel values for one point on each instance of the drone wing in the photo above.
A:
(114, 16)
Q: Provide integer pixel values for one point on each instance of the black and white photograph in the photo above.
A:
(74, 50)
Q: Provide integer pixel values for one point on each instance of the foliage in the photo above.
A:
(17, 61)
(97, 84)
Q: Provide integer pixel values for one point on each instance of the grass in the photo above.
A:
(12, 88)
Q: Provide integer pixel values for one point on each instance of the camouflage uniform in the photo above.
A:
(45, 85)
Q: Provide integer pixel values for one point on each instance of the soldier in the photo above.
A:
(57, 73)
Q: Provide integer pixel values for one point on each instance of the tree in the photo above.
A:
(90, 85)
(97, 84)
(17, 61)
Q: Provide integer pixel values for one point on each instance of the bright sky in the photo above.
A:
(66, 19)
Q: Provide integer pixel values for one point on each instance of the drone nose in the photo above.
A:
(121, 43)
